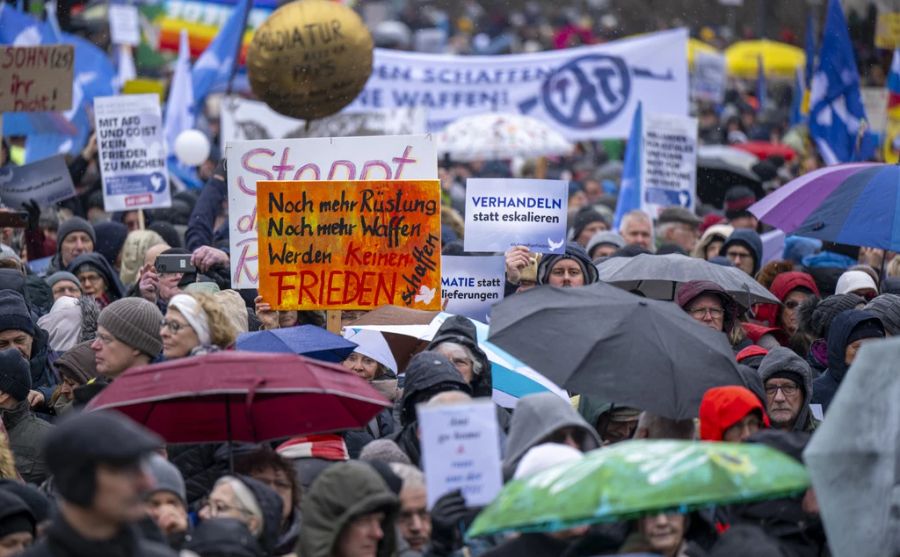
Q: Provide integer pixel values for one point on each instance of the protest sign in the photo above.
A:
(350, 245)
(587, 92)
(45, 181)
(36, 78)
(708, 78)
(887, 29)
(461, 450)
(124, 27)
(472, 284)
(243, 119)
(410, 157)
(875, 101)
(503, 213)
(132, 152)
(668, 162)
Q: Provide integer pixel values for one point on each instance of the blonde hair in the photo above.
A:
(222, 331)
(893, 267)
(136, 245)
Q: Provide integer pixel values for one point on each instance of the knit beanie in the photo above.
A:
(166, 477)
(15, 374)
(887, 308)
(74, 224)
(583, 218)
(78, 363)
(870, 328)
(384, 450)
(135, 322)
(737, 200)
(826, 310)
(62, 275)
(14, 314)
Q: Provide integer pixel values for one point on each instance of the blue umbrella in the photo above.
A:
(306, 340)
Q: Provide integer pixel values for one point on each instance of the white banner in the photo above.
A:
(132, 150)
(243, 120)
(400, 157)
(709, 78)
(588, 92)
(668, 162)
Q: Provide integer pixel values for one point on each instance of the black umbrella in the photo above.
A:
(720, 167)
(600, 340)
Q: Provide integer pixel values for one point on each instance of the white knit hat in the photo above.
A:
(851, 281)
(372, 344)
(544, 456)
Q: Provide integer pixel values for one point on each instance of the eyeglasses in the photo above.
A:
(218, 508)
(786, 390)
(173, 326)
(700, 313)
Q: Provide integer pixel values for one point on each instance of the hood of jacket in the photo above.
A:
(689, 290)
(841, 327)
(784, 284)
(785, 360)
(427, 374)
(462, 331)
(341, 493)
(722, 407)
(711, 234)
(114, 287)
(573, 251)
(750, 240)
(270, 504)
(536, 417)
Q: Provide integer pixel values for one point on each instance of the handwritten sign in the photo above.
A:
(350, 245)
(36, 78)
(45, 181)
(668, 162)
(471, 284)
(410, 157)
(132, 152)
(503, 213)
(461, 450)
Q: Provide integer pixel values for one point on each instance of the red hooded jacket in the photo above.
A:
(722, 407)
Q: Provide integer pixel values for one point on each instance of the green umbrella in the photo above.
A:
(635, 478)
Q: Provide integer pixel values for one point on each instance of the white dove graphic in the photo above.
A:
(425, 295)
(555, 245)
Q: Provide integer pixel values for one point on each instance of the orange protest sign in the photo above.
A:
(349, 244)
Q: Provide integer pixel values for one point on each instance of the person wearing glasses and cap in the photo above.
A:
(787, 380)
(710, 305)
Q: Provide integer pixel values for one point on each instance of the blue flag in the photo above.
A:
(797, 99)
(810, 48)
(180, 112)
(837, 117)
(630, 190)
(217, 62)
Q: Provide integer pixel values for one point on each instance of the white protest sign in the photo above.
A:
(132, 150)
(708, 79)
(502, 213)
(124, 25)
(401, 157)
(45, 181)
(668, 163)
(461, 450)
(588, 92)
(472, 284)
(244, 119)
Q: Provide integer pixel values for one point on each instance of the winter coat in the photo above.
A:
(43, 379)
(114, 288)
(784, 360)
(270, 504)
(826, 385)
(341, 493)
(200, 466)
(61, 540)
(26, 440)
(536, 417)
(750, 240)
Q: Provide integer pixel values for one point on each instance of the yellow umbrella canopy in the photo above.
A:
(779, 59)
(694, 46)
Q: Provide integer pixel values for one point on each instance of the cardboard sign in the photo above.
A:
(36, 78)
(350, 245)
(461, 450)
(405, 157)
(504, 213)
(470, 285)
(45, 181)
(124, 26)
(668, 163)
(132, 152)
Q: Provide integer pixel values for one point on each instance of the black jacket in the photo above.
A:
(63, 541)
(826, 385)
(200, 465)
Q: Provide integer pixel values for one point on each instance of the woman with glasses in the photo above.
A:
(97, 277)
(709, 304)
(195, 324)
(250, 501)
(780, 323)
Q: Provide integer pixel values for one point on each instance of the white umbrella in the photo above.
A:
(500, 136)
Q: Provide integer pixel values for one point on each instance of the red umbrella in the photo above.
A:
(764, 149)
(241, 396)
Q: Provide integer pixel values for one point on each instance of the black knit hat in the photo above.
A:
(75, 447)
(827, 309)
(74, 224)
(15, 515)
(14, 313)
(737, 200)
(15, 374)
(583, 218)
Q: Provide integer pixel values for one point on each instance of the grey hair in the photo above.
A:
(477, 366)
(245, 499)
(411, 476)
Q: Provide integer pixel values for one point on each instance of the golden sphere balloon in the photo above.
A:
(310, 58)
